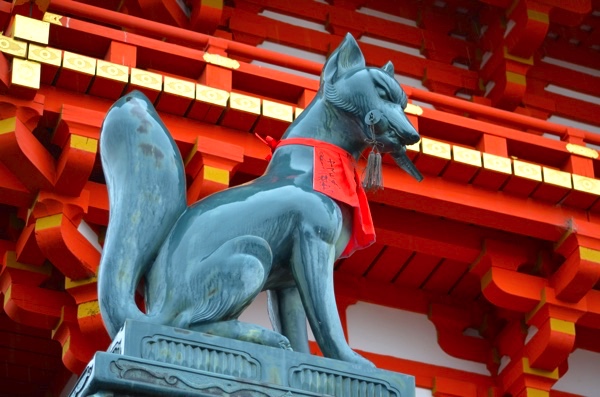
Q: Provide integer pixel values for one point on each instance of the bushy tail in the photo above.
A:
(146, 187)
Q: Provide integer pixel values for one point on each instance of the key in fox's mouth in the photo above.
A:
(404, 162)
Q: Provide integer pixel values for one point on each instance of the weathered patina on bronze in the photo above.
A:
(203, 265)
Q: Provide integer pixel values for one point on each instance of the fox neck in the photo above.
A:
(324, 122)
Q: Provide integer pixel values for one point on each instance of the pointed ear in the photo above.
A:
(388, 68)
(345, 58)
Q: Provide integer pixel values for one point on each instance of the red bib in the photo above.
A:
(335, 176)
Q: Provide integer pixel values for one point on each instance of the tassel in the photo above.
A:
(372, 175)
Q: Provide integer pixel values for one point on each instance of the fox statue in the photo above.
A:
(202, 265)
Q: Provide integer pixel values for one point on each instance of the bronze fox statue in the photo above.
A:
(202, 265)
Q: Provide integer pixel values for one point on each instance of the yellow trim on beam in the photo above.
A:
(516, 78)
(538, 16)
(66, 346)
(47, 55)
(436, 148)
(245, 103)
(527, 170)
(529, 392)
(211, 95)
(79, 63)
(582, 151)
(52, 18)
(466, 156)
(557, 178)
(214, 174)
(7, 294)
(539, 372)
(112, 71)
(527, 61)
(84, 143)
(88, 309)
(413, 109)
(589, 254)
(70, 283)
(30, 29)
(143, 78)
(497, 163)
(585, 184)
(563, 326)
(277, 111)
(13, 47)
(11, 261)
(216, 59)
(179, 87)
(26, 73)
(8, 125)
(48, 222)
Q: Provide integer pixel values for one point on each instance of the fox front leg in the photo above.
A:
(312, 266)
(288, 317)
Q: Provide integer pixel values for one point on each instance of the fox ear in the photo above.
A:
(345, 58)
(388, 68)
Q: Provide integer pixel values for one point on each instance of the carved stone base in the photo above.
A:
(153, 360)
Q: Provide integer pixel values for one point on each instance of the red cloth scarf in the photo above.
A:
(335, 176)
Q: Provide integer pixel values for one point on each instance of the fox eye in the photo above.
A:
(383, 93)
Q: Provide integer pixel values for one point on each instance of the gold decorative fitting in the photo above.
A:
(52, 18)
(527, 170)
(112, 71)
(179, 87)
(244, 102)
(467, 156)
(13, 47)
(146, 79)
(556, 177)
(79, 63)
(26, 73)
(582, 151)
(30, 29)
(47, 55)
(219, 60)
(497, 163)
(211, 95)
(436, 149)
(277, 111)
(413, 109)
(585, 184)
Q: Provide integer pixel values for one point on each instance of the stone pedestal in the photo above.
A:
(153, 360)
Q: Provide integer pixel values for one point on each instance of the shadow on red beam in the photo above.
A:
(182, 35)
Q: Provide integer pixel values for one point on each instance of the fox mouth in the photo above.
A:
(401, 158)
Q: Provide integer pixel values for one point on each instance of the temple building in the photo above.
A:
(485, 277)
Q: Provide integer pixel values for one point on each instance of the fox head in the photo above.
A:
(363, 92)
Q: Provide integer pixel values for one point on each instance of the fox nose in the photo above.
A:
(412, 137)
(409, 133)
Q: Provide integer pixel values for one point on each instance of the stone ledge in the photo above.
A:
(153, 360)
